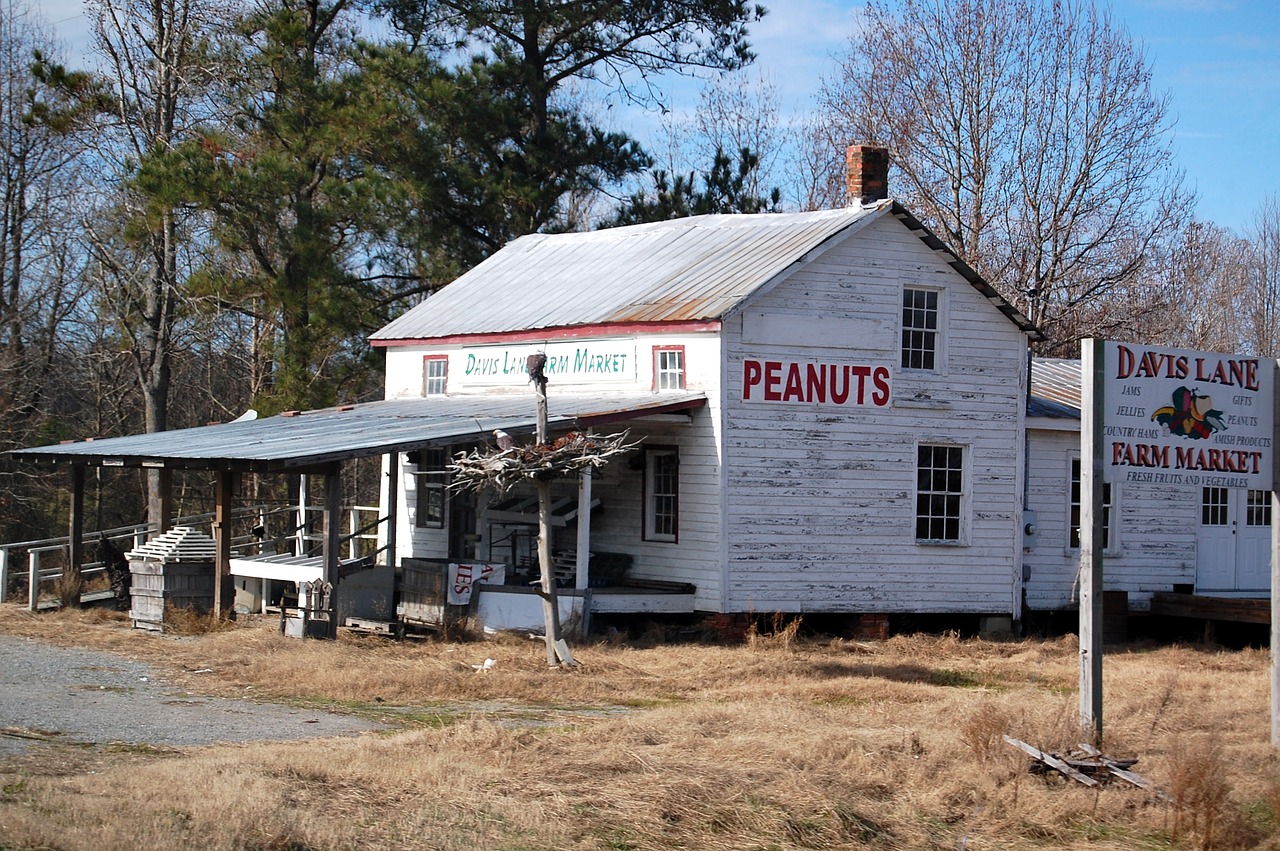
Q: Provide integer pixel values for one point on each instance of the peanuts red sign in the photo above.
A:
(814, 383)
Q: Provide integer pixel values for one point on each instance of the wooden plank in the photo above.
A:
(1211, 608)
(1121, 770)
(1051, 761)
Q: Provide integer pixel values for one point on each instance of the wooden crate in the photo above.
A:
(156, 585)
(424, 594)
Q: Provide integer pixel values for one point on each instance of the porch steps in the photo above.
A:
(1166, 604)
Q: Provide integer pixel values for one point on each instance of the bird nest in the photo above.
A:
(565, 457)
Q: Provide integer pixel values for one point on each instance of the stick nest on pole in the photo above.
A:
(564, 457)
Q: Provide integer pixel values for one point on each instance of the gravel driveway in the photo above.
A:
(90, 697)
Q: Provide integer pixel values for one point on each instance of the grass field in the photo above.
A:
(780, 742)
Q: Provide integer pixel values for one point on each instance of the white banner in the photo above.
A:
(464, 577)
(1174, 417)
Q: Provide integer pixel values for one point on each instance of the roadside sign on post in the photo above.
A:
(1159, 418)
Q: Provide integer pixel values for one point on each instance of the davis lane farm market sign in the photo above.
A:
(1173, 418)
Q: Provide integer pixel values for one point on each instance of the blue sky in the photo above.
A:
(1219, 59)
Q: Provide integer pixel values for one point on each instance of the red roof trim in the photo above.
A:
(613, 329)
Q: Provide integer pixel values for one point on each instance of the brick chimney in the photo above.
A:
(867, 171)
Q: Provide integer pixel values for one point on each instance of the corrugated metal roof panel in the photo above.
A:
(315, 437)
(692, 269)
(1055, 388)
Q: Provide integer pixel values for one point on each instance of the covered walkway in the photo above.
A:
(318, 442)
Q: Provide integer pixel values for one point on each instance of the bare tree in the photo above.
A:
(41, 282)
(1259, 290)
(1192, 294)
(736, 112)
(1027, 135)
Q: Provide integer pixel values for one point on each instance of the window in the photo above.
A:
(1258, 507)
(435, 374)
(668, 368)
(431, 480)
(919, 329)
(939, 492)
(1214, 507)
(661, 494)
(1074, 533)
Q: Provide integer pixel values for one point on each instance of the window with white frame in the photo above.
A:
(431, 480)
(1258, 509)
(661, 494)
(1073, 539)
(940, 493)
(435, 374)
(921, 310)
(668, 368)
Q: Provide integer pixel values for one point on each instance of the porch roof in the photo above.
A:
(309, 439)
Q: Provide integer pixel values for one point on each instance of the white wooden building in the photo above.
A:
(846, 418)
(1213, 541)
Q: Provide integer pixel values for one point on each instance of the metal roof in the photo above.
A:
(1055, 388)
(694, 269)
(312, 438)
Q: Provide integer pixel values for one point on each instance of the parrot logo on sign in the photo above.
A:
(1191, 415)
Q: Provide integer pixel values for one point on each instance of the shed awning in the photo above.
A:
(309, 439)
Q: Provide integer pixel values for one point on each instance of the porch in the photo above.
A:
(316, 444)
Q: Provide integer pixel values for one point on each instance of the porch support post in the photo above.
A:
(393, 506)
(332, 522)
(583, 579)
(222, 537)
(75, 535)
(159, 499)
(164, 522)
(584, 528)
(301, 533)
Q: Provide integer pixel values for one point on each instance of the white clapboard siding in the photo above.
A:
(1155, 537)
(820, 509)
(696, 556)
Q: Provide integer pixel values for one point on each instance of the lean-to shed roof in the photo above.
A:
(687, 270)
(312, 438)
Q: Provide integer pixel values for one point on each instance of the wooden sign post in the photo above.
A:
(1092, 378)
(1275, 562)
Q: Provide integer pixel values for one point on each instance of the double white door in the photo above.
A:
(1233, 548)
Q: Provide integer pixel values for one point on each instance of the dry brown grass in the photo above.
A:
(778, 743)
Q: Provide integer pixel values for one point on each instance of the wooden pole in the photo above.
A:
(300, 535)
(547, 580)
(393, 506)
(164, 477)
(332, 542)
(75, 538)
(222, 537)
(1275, 556)
(583, 579)
(1092, 376)
(331, 549)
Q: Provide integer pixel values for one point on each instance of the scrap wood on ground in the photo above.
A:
(1087, 765)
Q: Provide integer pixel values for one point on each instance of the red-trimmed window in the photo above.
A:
(661, 494)
(435, 374)
(668, 368)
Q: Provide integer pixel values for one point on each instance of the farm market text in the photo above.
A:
(575, 363)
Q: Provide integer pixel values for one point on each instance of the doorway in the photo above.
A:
(1233, 546)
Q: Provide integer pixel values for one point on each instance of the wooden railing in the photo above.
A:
(291, 523)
